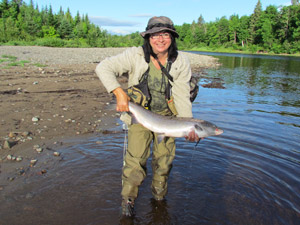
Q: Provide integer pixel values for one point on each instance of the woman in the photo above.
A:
(149, 63)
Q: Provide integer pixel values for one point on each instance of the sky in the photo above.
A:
(128, 16)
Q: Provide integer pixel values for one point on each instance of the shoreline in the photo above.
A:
(54, 95)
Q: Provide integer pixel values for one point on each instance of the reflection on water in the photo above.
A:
(248, 175)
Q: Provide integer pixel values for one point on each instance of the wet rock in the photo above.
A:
(43, 172)
(56, 153)
(10, 178)
(9, 144)
(19, 159)
(12, 134)
(33, 162)
(25, 133)
(214, 84)
(37, 148)
(21, 171)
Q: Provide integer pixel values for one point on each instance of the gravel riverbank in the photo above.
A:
(70, 56)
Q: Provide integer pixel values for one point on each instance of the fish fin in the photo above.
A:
(160, 137)
(133, 119)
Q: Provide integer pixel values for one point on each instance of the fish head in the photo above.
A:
(205, 129)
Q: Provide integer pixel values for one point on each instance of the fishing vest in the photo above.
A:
(141, 95)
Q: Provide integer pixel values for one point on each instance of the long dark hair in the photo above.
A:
(172, 51)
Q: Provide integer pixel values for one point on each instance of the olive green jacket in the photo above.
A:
(132, 61)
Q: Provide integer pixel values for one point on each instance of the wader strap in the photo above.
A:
(170, 78)
(166, 70)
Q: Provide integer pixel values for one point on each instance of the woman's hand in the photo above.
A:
(122, 100)
(192, 136)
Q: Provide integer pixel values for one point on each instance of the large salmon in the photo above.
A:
(172, 127)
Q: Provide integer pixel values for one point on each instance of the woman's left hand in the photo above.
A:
(192, 136)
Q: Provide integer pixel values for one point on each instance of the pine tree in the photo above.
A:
(4, 6)
(51, 20)
(234, 24)
(269, 20)
(254, 23)
(223, 29)
(77, 19)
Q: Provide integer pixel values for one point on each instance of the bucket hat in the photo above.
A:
(157, 24)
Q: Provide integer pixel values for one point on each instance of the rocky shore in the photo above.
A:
(48, 95)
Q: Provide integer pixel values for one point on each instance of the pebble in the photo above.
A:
(33, 162)
(12, 134)
(43, 171)
(21, 171)
(56, 153)
(39, 150)
(25, 134)
(36, 146)
(35, 119)
(19, 159)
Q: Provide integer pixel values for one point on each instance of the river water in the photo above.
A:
(248, 175)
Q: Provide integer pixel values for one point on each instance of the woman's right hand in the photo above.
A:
(122, 100)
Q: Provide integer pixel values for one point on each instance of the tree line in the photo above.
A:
(275, 30)
(26, 24)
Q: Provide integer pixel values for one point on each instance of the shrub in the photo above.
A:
(50, 42)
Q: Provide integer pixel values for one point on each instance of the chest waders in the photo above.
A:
(139, 143)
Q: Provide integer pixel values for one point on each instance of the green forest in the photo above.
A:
(275, 30)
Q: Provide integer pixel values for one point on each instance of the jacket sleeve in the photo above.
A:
(110, 68)
(181, 87)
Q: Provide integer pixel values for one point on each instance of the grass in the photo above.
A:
(238, 51)
(3, 60)
(9, 57)
(39, 65)
(12, 61)
(19, 63)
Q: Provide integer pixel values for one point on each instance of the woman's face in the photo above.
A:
(160, 42)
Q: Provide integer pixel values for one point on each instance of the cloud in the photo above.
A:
(119, 31)
(105, 21)
(120, 27)
(142, 15)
